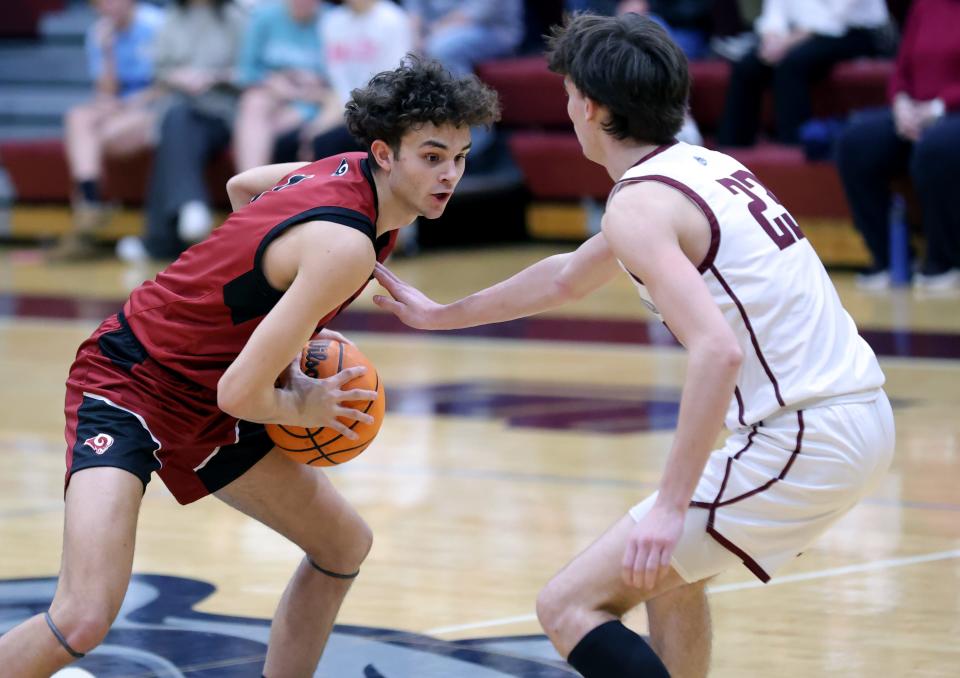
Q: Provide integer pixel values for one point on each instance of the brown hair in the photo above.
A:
(629, 65)
(420, 91)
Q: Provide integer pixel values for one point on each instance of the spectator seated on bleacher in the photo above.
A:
(799, 42)
(194, 55)
(121, 118)
(360, 38)
(462, 33)
(919, 136)
(282, 68)
(687, 21)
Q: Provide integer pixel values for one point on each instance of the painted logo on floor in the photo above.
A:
(158, 633)
(531, 404)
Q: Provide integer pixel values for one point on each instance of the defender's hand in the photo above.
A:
(650, 546)
(320, 399)
(409, 304)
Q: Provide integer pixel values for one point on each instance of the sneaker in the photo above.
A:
(938, 282)
(75, 247)
(130, 249)
(873, 280)
(195, 221)
(90, 217)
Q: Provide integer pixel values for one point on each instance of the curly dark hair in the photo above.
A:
(420, 91)
(629, 65)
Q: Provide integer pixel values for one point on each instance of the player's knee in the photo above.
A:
(83, 626)
(346, 549)
(554, 607)
(363, 539)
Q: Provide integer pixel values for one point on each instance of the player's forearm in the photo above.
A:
(257, 404)
(533, 290)
(711, 378)
(549, 283)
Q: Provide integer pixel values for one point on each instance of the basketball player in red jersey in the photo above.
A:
(771, 353)
(182, 379)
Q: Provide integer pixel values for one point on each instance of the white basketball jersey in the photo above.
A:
(799, 344)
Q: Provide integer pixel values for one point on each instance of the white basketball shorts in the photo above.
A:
(774, 487)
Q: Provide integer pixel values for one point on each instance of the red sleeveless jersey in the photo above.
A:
(198, 313)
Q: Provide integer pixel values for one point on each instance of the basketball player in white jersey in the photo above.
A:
(771, 350)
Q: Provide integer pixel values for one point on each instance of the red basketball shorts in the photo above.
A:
(125, 410)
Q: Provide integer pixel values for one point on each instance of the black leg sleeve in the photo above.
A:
(613, 651)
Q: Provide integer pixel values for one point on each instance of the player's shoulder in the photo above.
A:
(684, 158)
(325, 242)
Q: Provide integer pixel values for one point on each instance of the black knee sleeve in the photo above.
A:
(612, 649)
(335, 575)
(60, 638)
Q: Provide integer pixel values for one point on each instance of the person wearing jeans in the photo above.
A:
(917, 136)
(800, 41)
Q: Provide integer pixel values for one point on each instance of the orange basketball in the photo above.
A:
(319, 359)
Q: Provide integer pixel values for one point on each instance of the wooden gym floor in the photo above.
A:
(504, 453)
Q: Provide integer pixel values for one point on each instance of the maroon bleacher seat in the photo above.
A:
(542, 142)
(809, 189)
(21, 18)
(554, 168)
(531, 95)
(549, 155)
(38, 171)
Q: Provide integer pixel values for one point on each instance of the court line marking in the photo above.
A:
(886, 564)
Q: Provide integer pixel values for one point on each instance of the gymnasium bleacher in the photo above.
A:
(43, 72)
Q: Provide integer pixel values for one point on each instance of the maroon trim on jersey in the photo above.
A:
(753, 336)
(655, 152)
(736, 392)
(697, 200)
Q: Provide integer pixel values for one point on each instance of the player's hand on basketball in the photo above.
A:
(409, 304)
(320, 401)
(646, 559)
(333, 336)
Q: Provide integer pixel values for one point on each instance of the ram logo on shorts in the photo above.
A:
(100, 443)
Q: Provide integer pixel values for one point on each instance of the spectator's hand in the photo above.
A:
(928, 112)
(282, 86)
(193, 81)
(775, 46)
(907, 117)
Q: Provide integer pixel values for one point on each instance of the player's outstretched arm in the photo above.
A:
(549, 283)
(242, 187)
(648, 226)
(327, 263)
